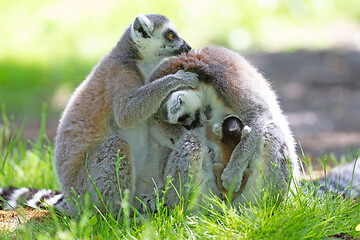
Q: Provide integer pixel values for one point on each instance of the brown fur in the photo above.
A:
(110, 110)
(213, 66)
(240, 88)
(230, 137)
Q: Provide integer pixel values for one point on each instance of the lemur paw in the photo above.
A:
(246, 130)
(149, 202)
(231, 178)
(182, 106)
(191, 79)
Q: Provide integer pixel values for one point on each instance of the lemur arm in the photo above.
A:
(145, 100)
(241, 158)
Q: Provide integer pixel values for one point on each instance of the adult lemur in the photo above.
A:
(107, 115)
(236, 124)
(229, 85)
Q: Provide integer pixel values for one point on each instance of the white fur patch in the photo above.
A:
(246, 130)
(53, 200)
(153, 49)
(33, 202)
(170, 25)
(148, 26)
(182, 102)
(13, 199)
(217, 129)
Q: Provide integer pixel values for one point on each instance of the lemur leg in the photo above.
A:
(277, 159)
(188, 163)
(270, 171)
(245, 153)
(101, 166)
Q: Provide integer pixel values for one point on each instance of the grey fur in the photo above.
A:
(344, 180)
(109, 115)
(230, 85)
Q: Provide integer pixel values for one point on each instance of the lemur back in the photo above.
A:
(343, 180)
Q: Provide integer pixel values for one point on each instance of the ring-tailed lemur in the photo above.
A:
(229, 85)
(107, 116)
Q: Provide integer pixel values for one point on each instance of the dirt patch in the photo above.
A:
(11, 220)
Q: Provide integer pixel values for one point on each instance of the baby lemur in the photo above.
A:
(229, 85)
(227, 135)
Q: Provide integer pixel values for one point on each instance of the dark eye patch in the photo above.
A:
(195, 123)
(208, 112)
(183, 118)
(143, 33)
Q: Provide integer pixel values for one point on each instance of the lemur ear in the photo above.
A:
(142, 26)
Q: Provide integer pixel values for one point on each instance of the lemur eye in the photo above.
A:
(170, 35)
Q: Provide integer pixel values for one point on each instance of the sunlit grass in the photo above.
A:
(21, 159)
(51, 30)
(304, 216)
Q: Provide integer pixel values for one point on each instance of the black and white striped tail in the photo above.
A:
(344, 180)
(27, 197)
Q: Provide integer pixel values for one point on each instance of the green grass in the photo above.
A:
(25, 86)
(24, 164)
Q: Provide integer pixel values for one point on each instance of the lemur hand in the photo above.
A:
(191, 79)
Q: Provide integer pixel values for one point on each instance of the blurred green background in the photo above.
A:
(48, 47)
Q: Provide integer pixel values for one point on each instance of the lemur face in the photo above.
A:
(171, 43)
(157, 38)
(185, 107)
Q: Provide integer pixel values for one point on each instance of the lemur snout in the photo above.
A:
(184, 48)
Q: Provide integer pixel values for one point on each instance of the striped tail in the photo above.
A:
(344, 180)
(27, 197)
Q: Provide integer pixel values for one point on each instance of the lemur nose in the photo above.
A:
(185, 47)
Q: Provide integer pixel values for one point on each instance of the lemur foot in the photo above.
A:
(149, 202)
